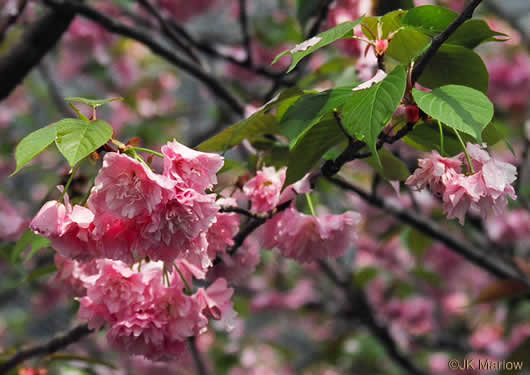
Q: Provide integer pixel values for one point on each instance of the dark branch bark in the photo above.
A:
(484, 258)
(156, 47)
(243, 21)
(52, 346)
(440, 39)
(31, 48)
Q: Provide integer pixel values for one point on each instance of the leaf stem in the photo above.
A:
(142, 149)
(310, 204)
(69, 182)
(465, 151)
(441, 138)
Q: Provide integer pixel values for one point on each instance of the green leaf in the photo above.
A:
(429, 19)
(407, 44)
(255, 126)
(310, 109)
(369, 110)
(33, 144)
(342, 31)
(76, 139)
(390, 167)
(94, 103)
(27, 239)
(310, 146)
(473, 33)
(389, 22)
(459, 107)
(458, 66)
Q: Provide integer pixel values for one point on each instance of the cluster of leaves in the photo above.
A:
(457, 76)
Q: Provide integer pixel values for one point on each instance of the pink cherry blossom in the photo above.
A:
(264, 189)
(193, 169)
(72, 274)
(217, 304)
(221, 233)
(308, 238)
(435, 171)
(237, 267)
(126, 188)
(179, 226)
(68, 228)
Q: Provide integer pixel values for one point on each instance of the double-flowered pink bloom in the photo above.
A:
(485, 189)
(134, 212)
(145, 315)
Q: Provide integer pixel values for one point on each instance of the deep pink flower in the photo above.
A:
(220, 235)
(178, 226)
(183, 11)
(115, 292)
(193, 169)
(126, 188)
(308, 238)
(264, 189)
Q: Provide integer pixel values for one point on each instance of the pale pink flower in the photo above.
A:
(264, 189)
(68, 228)
(193, 169)
(235, 268)
(217, 304)
(434, 171)
(308, 238)
(297, 297)
(126, 188)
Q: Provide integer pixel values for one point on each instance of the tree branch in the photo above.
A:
(243, 22)
(440, 39)
(50, 347)
(31, 48)
(484, 258)
(156, 47)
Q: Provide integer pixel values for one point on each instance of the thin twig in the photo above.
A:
(243, 22)
(169, 31)
(52, 346)
(145, 37)
(440, 39)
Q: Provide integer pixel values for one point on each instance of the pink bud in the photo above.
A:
(381, 46)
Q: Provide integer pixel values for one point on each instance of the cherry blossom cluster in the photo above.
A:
(298, 236)
(148, 316)
(132, 252)
(485, 189)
